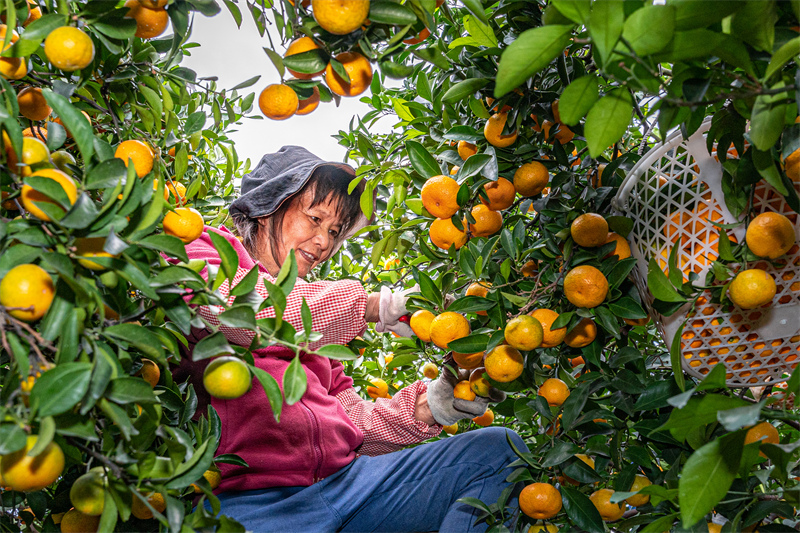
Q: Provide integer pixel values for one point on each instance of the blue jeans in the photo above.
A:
(410, 490)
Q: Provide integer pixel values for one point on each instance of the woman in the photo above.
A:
(326, 466)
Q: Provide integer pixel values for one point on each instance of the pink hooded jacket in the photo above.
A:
(322, 432)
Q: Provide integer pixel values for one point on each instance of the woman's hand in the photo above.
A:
(445, 407)
(391, 309)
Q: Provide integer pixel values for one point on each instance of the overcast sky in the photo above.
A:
(234, 55)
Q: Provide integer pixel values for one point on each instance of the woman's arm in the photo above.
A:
(390, 424)
(422, 410)
(373, 306)
(338, 309)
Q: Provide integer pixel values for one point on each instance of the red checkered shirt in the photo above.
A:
(337, 309)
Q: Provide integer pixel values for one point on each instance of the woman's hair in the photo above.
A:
(325, 181)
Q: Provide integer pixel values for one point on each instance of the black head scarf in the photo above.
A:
(278, 177)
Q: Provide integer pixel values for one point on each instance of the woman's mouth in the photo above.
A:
(310, 258)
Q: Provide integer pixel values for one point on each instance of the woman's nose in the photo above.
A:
(322, 238)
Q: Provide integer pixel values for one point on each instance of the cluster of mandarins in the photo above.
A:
(584, 286)
(279, 101)
(440, 198)
(543, 501)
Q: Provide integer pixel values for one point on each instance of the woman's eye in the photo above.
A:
(315, 220)
(334, 233)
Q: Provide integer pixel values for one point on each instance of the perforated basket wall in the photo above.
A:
(674, 192)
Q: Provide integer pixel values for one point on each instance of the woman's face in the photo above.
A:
(310, 231)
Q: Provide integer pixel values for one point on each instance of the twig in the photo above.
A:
(115, 469)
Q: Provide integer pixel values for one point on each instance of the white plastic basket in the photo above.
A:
(673, 193)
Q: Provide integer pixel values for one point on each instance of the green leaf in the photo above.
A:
(733, 51)
(470, 304)
(698, 413)
(41, 28)
(464, 88)
(388, 12)
(395, 71)
(250, 82)
(690, 44)
(336, 351)
(533, 50)
(607, 121)
(59, 389)
(474, 343)
(50, 188)
(765, 164)
(195, 122)
(476, 8)
(581, 511)
(740, 417)
(17, 255)
(481, 32)
(656, 395)
(660, 286)
(706, 478)
(246, 284)
(229, 259)
(434, 56)
(577, 99)
(211, 346)
(766, 121)
(605, 25)
(193, 469)
(74, 121)
(305, 314)
(789, 51)
(137, 336)
(167, 244)
(47, 430)
(309, 62)
(422, 161)
(649, 29)
(574, 404)
(690, 14)
(577, 11)
(473, 166)
(294, 381)
(126, 390)
(754, 23)
(675, 357)
(619, 272)
(12, 438)
(106, 174)
(241, 316)
(559, 453)
(271, 389)
(627, 307)
(287, 275)
(276, 60)
(153, 100)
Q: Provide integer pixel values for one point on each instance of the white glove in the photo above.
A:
(447, 409)
(391, 309)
